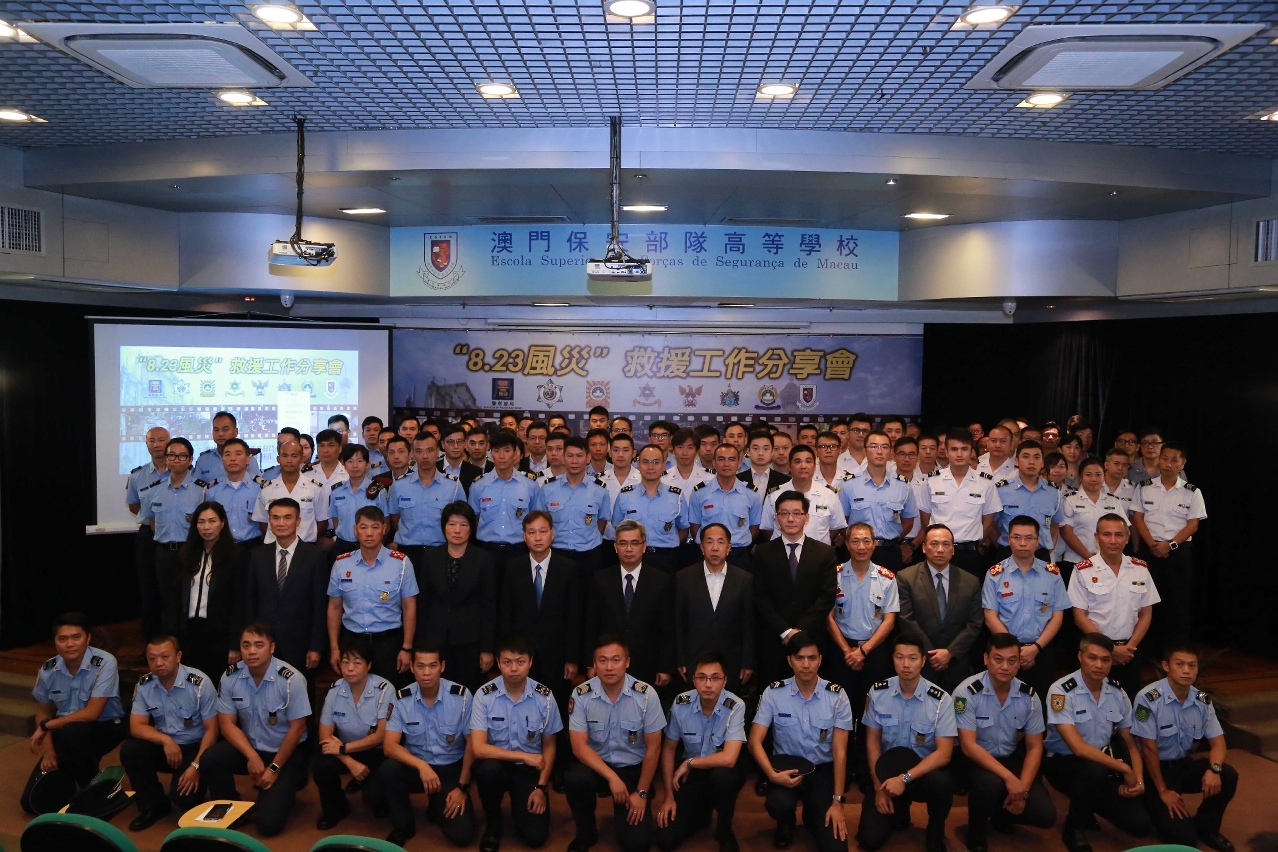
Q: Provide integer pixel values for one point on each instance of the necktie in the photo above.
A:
(630, 591)
(537, 585)
(281, 573)
(794, 562)
(941, 602)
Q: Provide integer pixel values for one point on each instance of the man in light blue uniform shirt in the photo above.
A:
(501, 498)
(1027, 494)
(169, 508)
(708, 725)
(882, 499)
(237, 492)
(174, 707)
(1171, 716)
(1000, 729)
(1084, 760)
(141, 479)
(660, 507)
(512, 733)
(810, 718)
(614, 724)
(427, 750)
(729, 501)
(418, 499)
(1025, 596)
(78, 715)
(262, 711)
(209, 465)
(579, 508)
(349, 495)
(910, 726)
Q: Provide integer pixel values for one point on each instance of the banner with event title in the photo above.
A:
(688, 260)
(781, 378)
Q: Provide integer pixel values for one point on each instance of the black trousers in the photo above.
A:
(494, 779)
(224, 761)
(887, 555)
(462, 663)
(79, 747)
(667, 559)
(143, 760)
(1128, 676)
(250, 544)
(327, 770)
(1186, 776)
(1092, 789)
(741, 557)
(582, 786)
(148, 582)
(702, 791)
(340, 546)
(971, 560)
(386, 647)
(986, 792)
(401, 780)
(1042, 674)
(878, 666)
(205, 646)
(561, 689)
(816, 792)
(1174, 579)
(936, 788)
(587, 562)
(166, 570)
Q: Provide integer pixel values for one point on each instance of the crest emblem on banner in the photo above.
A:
(259, 388)
(330, 388)
(503, 390)
(807, 397)
(647, 397)
(441, 267)
(767, 399)
(730, 398)
(690, 395)
(550, 393)
(598, 393)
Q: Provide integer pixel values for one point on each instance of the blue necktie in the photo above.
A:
(630, 591)
(794, 561)
(537, 585)
(941, 602)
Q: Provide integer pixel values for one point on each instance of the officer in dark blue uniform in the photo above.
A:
(262, 711)
(427, 751)
(173, 722)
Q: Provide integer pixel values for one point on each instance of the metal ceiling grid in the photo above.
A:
(864, 66)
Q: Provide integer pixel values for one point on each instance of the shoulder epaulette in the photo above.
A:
(255, 451)
(776, 684)
(1141, 562)
(152, 485)
(883, 684)
(405, 692)
(996, 570)
(552, 479)
(900, 478)
(884, 572)
(599, 481)
(307, 468)
(456, 689)
(1154, 694)
(542, 689)
(833, 687)
(398, 554)
(203, 484)
(640, 686)
(1052, 568)
(776, 488)
(1027, 689)
(974, 687)
(344, 555)
(684, 698)
(49, 663)
(450, 476)
(1086, 563)
(192, 677)
(984, 475)
(1144, 482)
(1204, 698)
(1000, 483)
(583, 689)
(530, 475)
(231, 668)
(696, 487)
(1189, 487)
(206, 452)
(1053, 485)
(1069, 685)
(285, 672)
(97, 662)
(936, 692)
(335, 684)
(674, 489)
(936, 472)
(625, 488)
(749, 485)
(337, 485)
(383, 684)
(729, 703)
(146, 678)
(136, 469)
(261, 481)
(488, 689)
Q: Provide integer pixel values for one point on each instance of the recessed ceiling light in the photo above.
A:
(645, 208)
(927, 215)
(1273, 116)
(630, 8)
(551, 305)
(361, 211)
(736, 304)
(640, 176)
(890, 181)
(278, 13)
(238, 97)
(984, 15)
(776, 90)
(7, 31)
(497, 90)
(1043, 100)
(17, 115)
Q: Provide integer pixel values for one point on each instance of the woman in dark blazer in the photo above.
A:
(205, 606)
(457, 599)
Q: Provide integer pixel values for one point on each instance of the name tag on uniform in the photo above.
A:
(633, 738)
(920, 739)
(273, 719)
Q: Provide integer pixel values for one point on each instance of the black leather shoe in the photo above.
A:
(1216, 841)
(1075, 839)
(326, 822)
(581, 844)
(977, 845)
(148, 818)
(354, 786)
(490, 842)
(400, 836)
(783, 836)
(935, 844)
(761, 786)
(728, 842)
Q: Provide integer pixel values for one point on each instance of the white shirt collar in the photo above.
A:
(634, 573)
(291, 549)
(933, 570)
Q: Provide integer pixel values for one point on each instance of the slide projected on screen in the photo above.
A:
(178, 376)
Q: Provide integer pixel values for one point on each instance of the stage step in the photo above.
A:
(1251, 706)
(17, 687)
(1251, 721)
(16, 717)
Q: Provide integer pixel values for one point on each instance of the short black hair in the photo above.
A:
(759, 435)
(225, 414)
(623, 419)
(931, 527)
(1179, 646)
(892, 418)
(356, 644)
(350, 451)
(372, 513)
(504, 439)
(339, 418)
(1024, 521)
(709, 658)
(285, 503)
(74, 618)
(399, 439)
(181, 442)
(905, 441)
(289, 430)
(517, 645)
(1098, 639)
(1002, 641)
(799, 640)
(458, 507)
(623, 437)
(575, 441)
(369, 421)
(331, 436)
(427, 646)
(236, 442)
(539, 425)
(259, 628)
(682, 436)
(1028, 445)
(598, 409)
(606, 639)
(906, 639)
(791, 497)
(1177, 446)
(452, 429)
(597, 433)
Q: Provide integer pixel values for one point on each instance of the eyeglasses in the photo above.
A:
(791, 514)
(904, 455)
(1125, 441)
(827, 446)
(857, 430)
(177, 456)
(1151, 443)
(877, 447)
(709, 678)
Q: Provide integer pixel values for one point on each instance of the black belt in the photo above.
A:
(882, 541)
(376, 636)
(966, 545)
(171, 545)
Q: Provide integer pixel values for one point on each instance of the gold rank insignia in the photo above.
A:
(384, 596)
(1046, 607)
(589, 518)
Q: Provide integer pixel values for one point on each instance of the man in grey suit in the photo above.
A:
(714, 610)
(945, 625)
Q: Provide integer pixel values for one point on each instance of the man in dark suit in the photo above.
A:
(637, 604)
(714, 610)
(540, 599)
(794, 585)
(760, 472)
(454, 461)
(288, 588)
(946, 626)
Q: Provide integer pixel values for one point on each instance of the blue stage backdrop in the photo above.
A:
(689, 379)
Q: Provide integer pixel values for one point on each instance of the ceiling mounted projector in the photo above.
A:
(296, 250)
(617, 265)
(173, 56)
(1107, 57)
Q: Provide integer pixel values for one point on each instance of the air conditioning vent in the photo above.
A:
(1107, 57)
(20, 230)
(173, 56)
(522, 220)
(1266, 240)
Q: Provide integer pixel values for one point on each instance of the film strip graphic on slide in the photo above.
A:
(256, 422)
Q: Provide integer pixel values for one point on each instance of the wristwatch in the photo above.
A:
(906, 778)
(1172, 545)
(407, 650)
(1036, 645)
(274, 767)
(840, 799)
(465, 788)
(342, 749)
(44, 725)
(643, 794)
(1216, 767)
(542, 788)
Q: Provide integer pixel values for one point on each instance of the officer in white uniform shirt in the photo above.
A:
(825, 517)
(1080, 510)
(328, 469)
(1114, 595)
(963, 499)
(999, 441)
(309, 493)
(622, 473)
(1117, 463)
(853, 459)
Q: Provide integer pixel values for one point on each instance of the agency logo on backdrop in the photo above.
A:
(767, 399)
(647, 397)
(690, 395)
(550, 393)
(730, 398)
(807, 397)
(599, 393)
(503, 390)
(441, 267)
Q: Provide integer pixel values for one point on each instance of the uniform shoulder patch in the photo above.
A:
(383, 684)
(1086, 563)
(405, 692)
(884, 572)
(1204, 698)
(776, 488)
(1069, 685)
(1141, 562)
(231, 668)
(1154, 694)
(626, 488)
(345, 555)
(450, 476)
(900, 478)
(456, 689)
(1052, 568)
(49, 663)
(530, 475)
(684, 698)
(584, 689)
(996, 570)
(983, 475)
(1144, 482)
(749, 485)
(883, 684)
(255, 451)
(1000, 483)
(152, 485)
(192, 677)
(308, 467)
(488, 689)
(674, 489)
(936, 692)
(936, 472)
(833, 687)
(203, 484)
(698, 486)
(729, 703)
(640, 686)
(542, 689)
(97, 662)
(552, 479)
(136, 469)
(776, 684)
(146, 678)
(599, 481)
(1189, 487)
(285, 672)
(398, 554)
(337, 485)
(1027, 689)
(974, 687)
(261, 481)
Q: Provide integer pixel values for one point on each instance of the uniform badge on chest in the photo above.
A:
(519, 513)
(273, 719)
(920, 739)
(383, 597)
(633, 738)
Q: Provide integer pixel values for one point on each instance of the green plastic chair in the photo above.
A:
(60, 832)
(354, 843)
(201, 838)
